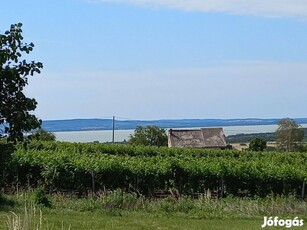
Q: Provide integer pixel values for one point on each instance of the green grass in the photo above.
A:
(127, 212)
(76, 220)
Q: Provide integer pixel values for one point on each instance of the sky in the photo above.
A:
(165, 59)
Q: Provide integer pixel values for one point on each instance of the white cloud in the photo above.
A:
(270, 8)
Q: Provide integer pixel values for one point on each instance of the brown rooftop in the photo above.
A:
(197, 138)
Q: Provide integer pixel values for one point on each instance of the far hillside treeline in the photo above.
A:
(107, 124)
(246, 138)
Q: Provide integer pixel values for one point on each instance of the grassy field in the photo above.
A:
(122, 212)
(135, 220)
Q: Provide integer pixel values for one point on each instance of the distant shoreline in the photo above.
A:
(73, 125)
(232, 132)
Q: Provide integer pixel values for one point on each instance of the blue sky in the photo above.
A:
(163, 59)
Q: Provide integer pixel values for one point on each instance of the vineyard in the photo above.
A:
(57, 166)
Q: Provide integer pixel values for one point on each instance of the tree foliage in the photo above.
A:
(42, 135)
(15, 107)
(6, 150)
(289, 135)
(257, 144)
(149, 136)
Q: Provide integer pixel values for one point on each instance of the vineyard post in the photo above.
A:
(303, 190)
(221, 187)
(52, 180)
(113, 129)
(3, 178)
(93, 182)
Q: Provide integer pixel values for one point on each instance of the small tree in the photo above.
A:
(289, 135)
(42, 135)
(14, 71)
(149, 136)
(257, 144)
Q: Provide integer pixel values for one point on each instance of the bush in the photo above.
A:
(167, 205)
(40, 198)
(42, 135)
(149, 136)
(120, 200)
(257, 144)
(4, 201)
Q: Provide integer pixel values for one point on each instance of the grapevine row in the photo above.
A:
(72, 166)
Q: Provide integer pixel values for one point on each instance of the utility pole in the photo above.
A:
(113, 127)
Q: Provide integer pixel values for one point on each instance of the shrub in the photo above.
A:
(120, 200)
(257, 144)
(40, 198)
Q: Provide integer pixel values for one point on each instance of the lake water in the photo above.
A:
(121, 135)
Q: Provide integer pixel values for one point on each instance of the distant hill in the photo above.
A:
(106, 124)
(244, 138)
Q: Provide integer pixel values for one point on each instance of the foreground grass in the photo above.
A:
(134, 221)
(125, 211)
